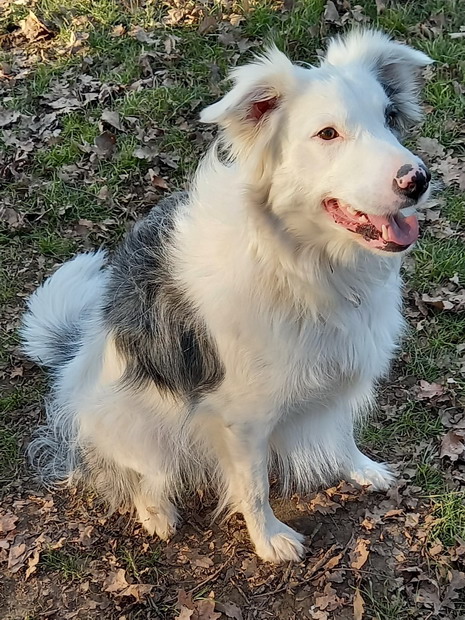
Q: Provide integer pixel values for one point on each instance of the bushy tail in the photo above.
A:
(59, 314)
(52, 327)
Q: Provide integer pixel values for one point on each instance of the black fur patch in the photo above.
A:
(156, 329)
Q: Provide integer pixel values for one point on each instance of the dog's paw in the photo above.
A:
(375, 476)
(163, 523)
(284, 545)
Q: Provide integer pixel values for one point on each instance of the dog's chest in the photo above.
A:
(350, 346)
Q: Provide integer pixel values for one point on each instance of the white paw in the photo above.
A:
(163, 523)
(285, 545)
(375, 476)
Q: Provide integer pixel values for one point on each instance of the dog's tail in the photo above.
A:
(58, 319)
(53, 326)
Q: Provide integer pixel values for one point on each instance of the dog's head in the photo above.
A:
(324, 141)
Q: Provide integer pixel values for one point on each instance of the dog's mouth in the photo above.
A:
(393, 233)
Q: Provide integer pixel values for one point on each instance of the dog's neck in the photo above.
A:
(310, 273)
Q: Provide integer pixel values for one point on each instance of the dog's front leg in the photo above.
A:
(245, 467)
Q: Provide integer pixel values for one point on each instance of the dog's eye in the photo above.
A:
(391, 118)
(328, 133)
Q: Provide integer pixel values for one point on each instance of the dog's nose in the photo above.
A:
(411, 181)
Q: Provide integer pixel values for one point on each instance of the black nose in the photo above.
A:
(412, 182)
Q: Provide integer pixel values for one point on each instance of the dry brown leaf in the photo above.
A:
(33, 29)
(118, 31)
(323, 504)
(112, 118)
(205, 610)
(185, 613)
(7, 117)
(105, 143)
(453, 444)
(431, 147)
(359, 605)
(8, 522)
(208, 24)
(32, 563)
(360, 553)
(331, 14)
(116, 581)
(438, 302)
(202, 561)
(230, 610)
(142, 36)
(16, 557)
(429, 390)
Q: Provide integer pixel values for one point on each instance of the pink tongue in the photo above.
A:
(401, 230)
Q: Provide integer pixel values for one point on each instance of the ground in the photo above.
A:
(100, 101)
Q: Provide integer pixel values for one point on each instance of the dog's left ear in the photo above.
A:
(397, 67)
(249, 113)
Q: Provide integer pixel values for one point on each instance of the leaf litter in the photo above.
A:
(359, 543)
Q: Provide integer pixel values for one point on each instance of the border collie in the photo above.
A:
(243, 326)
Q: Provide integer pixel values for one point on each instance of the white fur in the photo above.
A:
(304, 318)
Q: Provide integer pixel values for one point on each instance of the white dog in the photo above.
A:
(243, 326)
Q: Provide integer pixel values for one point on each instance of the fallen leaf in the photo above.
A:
(360, 553)
(116, 581)
(118, 31)
(230, 610)
(159, 182)
(202, 561)
(16, 557)
(145, 152)
(8, 522)
(453, 444)
(429, 390)
(105, 143)
(359, 605)
(32, 563)
(331, 13)
(7, 117)
(208, 24)
(205, 610)
(437, 302)
(431, 147)
(142, 36)
(33, 29)
(185, 613)
(111, 117)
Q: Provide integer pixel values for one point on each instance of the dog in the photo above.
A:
(243, 326)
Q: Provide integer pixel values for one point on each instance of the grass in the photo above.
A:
(137, 563)
(412, 422)
(71, 565)
(449, 518)
(432, 353)
(59, 184)
(385, 605)
(430, 478)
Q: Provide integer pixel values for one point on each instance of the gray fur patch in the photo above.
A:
(156, 329)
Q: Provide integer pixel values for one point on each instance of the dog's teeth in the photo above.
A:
(385, 232)
(364, 218)
(352, 211)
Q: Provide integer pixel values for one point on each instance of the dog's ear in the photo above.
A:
(397, 67)
(249, 113)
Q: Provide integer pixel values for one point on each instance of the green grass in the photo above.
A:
(429, 478)
(9, 453)
(386, 605)
(449, 518)
(431, 353)
(436, 261)
(71, 565)
(138, 564)
(412, 422)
